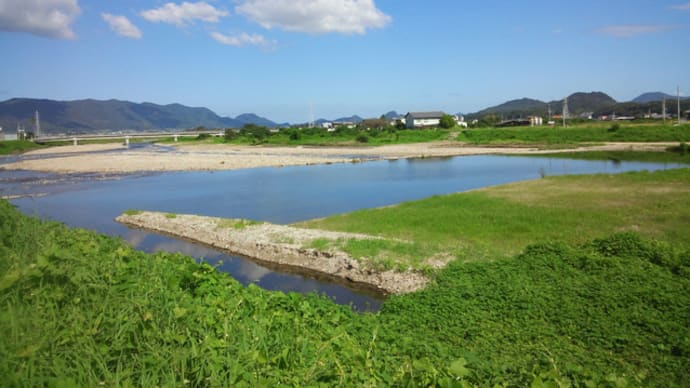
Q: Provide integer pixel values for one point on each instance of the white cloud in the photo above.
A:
(681, 7)
(122, 26)
(631, 30)
(51, 18)
(243, 39)
(182, 14)
(315, 16)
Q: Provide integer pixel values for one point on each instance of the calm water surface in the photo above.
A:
(279, 195)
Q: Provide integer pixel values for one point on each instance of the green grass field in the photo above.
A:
(621, 156)
(501, 221)
(560, 298)
(582, 133)
(17, 146)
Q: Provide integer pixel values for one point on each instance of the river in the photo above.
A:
(279, 195)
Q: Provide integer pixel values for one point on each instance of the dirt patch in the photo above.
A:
(280, 245)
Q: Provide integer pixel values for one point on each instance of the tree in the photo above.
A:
(256, 132)
(447, 122)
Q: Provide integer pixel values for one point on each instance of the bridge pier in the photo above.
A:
(74, 141)
(127, 141)
(175, 137)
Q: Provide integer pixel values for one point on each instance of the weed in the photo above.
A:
(132, 212)
(320, 244)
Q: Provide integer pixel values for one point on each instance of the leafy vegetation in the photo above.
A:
(597, 132)
(447, 121)
(591, 304)
(84, 309)
(16, 146)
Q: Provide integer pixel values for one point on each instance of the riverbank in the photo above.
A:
(84, 309)
(307, 251)
(116, 158)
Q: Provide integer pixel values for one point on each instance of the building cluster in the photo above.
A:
(412, 120)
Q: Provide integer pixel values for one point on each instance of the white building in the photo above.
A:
(535, 121)
(423, 119)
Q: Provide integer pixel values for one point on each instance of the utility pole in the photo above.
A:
(37, 122)
(663, 110)
(678, 101)
(565, 110)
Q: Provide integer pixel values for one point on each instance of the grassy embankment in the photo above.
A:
(576, 135)
(501, 221)
(675, 154)
(321, 137)
(84, 309)
(17, 146)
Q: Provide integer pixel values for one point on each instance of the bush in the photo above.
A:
(203, 136)
(256, 132)
(295, 135)
(231, 134)
(682, 149)
(447, 122)
(615, 127)
(362, 138)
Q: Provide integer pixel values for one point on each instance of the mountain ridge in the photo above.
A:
(91, 115)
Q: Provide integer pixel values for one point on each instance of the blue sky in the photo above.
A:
(277, 58)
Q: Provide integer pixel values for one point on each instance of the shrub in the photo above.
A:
(231, 134)
(614, 127)
(447, 122)
(682, 149)
(362, 138)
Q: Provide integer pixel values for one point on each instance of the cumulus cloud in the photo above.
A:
(681, 7)
(315, 16)
(243, 39)
(632, 30)
(121, 25)
(182, 14)
(50, 18)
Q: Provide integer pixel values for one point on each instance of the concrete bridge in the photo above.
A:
(126, 137)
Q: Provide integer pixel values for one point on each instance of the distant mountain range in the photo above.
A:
(578, 103)
(596, 103)
(655, 96)
(114, 115)
(87, 116)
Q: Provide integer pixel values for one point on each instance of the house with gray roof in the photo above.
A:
(423, 119)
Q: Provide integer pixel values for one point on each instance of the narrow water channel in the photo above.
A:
(280, 195)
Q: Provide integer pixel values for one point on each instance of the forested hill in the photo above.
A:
(577, 103)
(113, 115)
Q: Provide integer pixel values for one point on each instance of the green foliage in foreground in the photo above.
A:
(577, 134)
(84, 309)
(16, 146)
